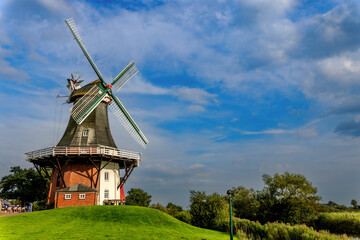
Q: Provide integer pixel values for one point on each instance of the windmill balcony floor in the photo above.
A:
(62, 151)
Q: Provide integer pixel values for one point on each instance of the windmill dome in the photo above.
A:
(76, 94)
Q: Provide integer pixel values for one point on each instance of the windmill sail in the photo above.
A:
(124, 75)
(126, 120)
(87, 103)
(71, 25)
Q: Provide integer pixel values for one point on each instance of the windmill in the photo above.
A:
(86, 163)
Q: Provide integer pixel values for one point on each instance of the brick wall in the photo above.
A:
(60, 201)
(74, 173)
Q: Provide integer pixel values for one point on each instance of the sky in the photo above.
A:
(226, 91)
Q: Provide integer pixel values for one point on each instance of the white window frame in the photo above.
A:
(106, 176)
(85, 133)
(106, 194)
(67, 196)
(82, 196)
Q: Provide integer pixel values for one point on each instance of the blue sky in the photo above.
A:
(227, 90)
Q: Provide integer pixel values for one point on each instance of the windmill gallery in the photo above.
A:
(87, 167)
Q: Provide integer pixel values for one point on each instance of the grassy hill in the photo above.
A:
(101, 222)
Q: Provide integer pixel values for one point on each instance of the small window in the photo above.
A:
(106, 193)
(106, 176)
(67, 196)
(82, 196)
(85, 133)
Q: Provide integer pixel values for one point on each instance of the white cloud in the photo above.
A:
(140, 86)
(56, 5)
(195, 95)
(270, 131)
(196, 108)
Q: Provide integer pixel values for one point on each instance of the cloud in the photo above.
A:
(307, 132)
(348, 106)
(348, 128)
(55, 5)
(331, 33)
(195, 95)
(138, 85)
(196, 108)
(270, 131)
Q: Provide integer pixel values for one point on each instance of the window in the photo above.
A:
(82, 196)
(85, 133)
(106, 193)
(67, 196)
(106, 176)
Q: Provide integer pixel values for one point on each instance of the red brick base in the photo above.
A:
(60, 201)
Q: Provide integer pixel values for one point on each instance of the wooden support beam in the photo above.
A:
(60, 171)
(46, 172)
(128, 171)
(97, 176)
(94, 164)
(38, 169)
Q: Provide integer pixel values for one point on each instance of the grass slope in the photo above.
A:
(101, 222)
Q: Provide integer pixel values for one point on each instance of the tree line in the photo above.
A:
(288, 198)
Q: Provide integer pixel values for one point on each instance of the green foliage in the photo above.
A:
(245, 203)
(101, 222)
(158, 206)
(345, 222)
(183, 216)
(354, 204)
(278, 231)
(173, 209)
(39, 205)
(289, 198)
(25, 185)
(332, 207)
(137, 197)
(208, 211)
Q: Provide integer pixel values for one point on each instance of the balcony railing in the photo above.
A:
(67, 151)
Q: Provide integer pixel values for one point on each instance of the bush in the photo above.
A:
(183, 216)
(340, 223)
(159, 207)
(39, 205)
(279, 231)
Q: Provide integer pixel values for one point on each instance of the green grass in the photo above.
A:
(2, 214)
(101, 222)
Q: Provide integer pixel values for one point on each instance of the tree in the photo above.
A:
(287, 198)
(207, 211)
(354, 204)
(245, 203)
(172, 209)
(138, 197)
(25, 185)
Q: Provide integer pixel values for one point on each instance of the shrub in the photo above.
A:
(279, 231)
(348, 223)
(159, 207)
(183, 216)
